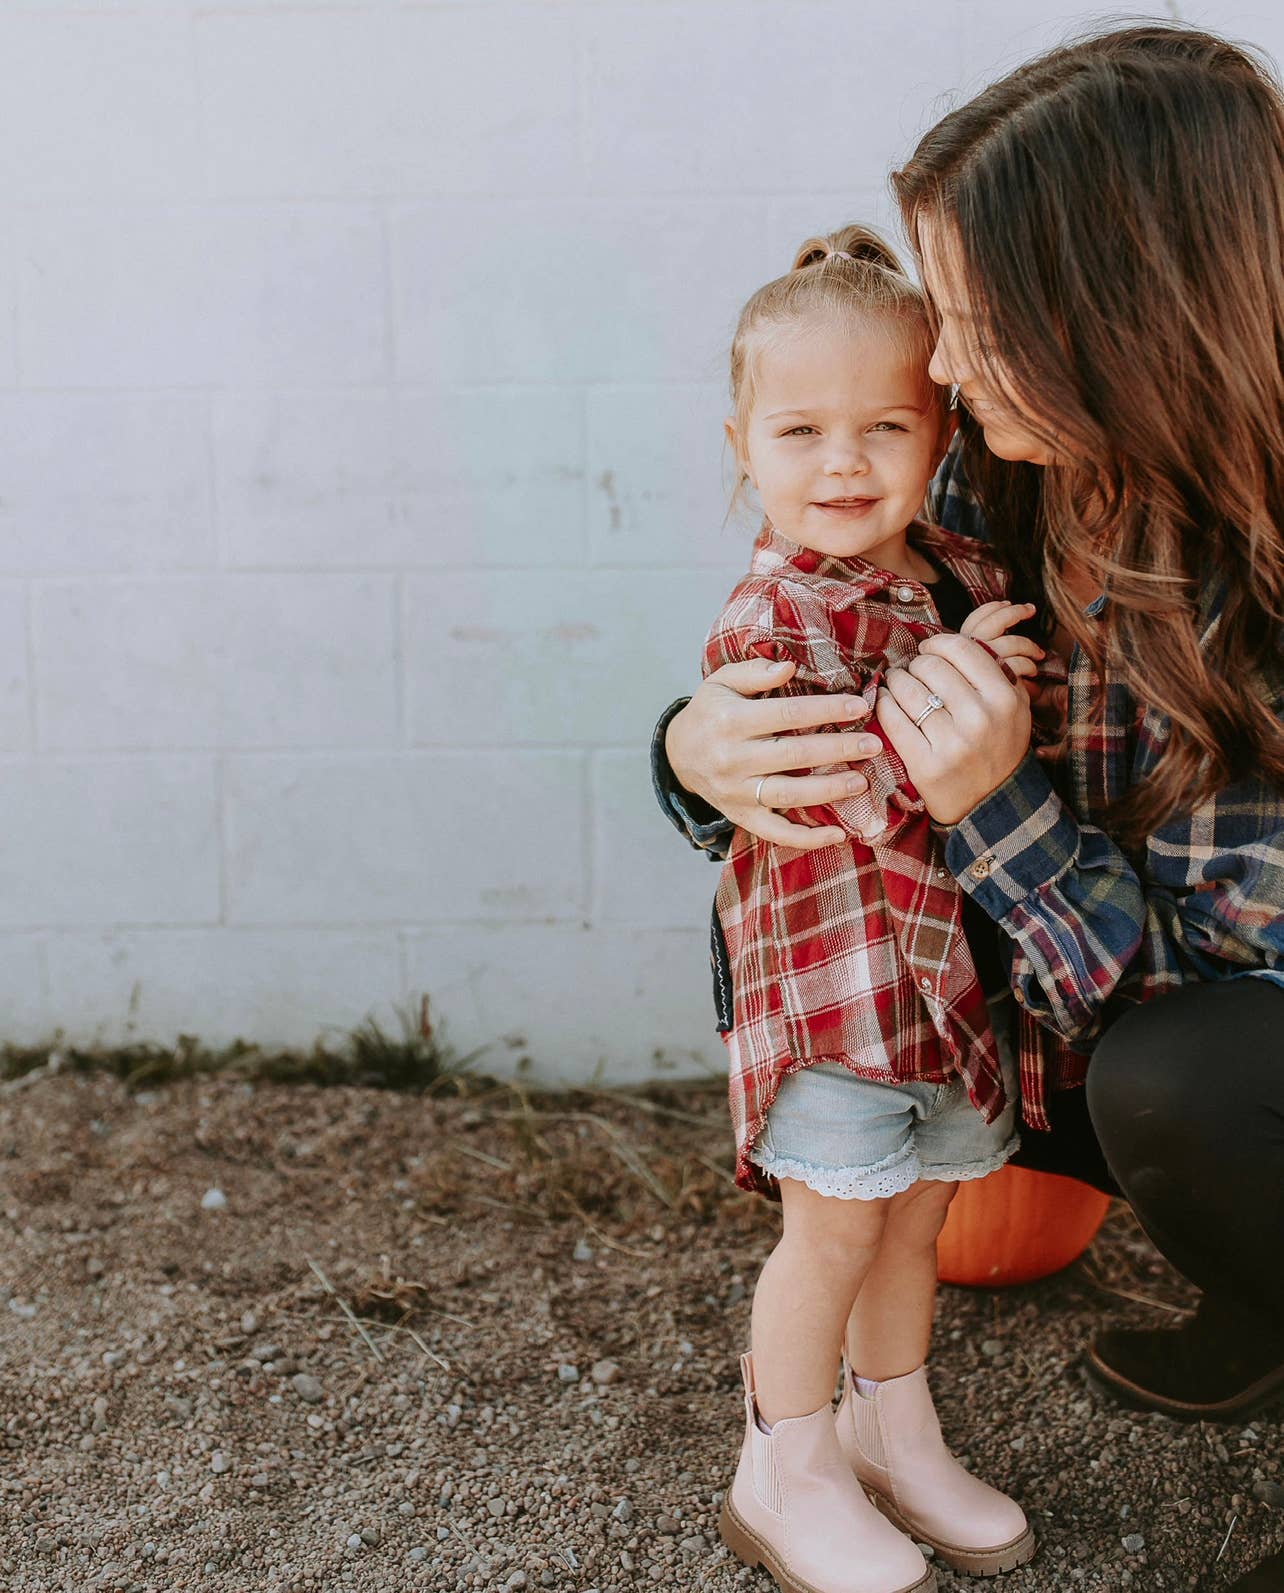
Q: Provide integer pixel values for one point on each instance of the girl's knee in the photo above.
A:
(917, 1215)
(843, 1229)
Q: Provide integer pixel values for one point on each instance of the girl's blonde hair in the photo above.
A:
(850, 275)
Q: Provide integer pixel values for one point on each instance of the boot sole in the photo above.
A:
(1258, 1396)
(972, 1562)
(756, 1554)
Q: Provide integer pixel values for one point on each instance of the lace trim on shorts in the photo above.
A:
(884, 1179)
(879, 1182)
(952, 1173)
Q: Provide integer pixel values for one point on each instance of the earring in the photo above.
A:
(954, 395)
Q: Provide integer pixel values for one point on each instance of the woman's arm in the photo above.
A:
(1085, 925)
(718, 747)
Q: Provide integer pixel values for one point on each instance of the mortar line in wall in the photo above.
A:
(29, 621)
(220, 830)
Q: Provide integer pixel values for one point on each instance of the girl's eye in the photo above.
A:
(887, 425)
(797, 431)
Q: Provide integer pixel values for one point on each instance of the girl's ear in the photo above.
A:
(733, 442)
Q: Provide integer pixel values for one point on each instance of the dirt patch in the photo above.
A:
(269, 1338)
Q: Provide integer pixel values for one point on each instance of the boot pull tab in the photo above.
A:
(746, 1374)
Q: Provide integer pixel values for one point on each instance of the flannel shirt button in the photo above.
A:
(941, 873)
(981, 868)
(927, 983)
(904, 594)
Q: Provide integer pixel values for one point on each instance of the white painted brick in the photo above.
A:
(15, 710)
(187, 297)
(221, 662)
(560, 657)
(148, 319)
(284, 987)
(97, 106)
(646, 291)
(108, 842)
(645, 875)
(397, 480)
(468, 101)
(437, 836)
(92, 482)
(28, 1018)
(584, 1005)
(706, 100)
(660, 478)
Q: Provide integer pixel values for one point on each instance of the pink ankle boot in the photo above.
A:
(795, 1509)
(894, 1446)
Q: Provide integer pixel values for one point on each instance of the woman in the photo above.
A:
(1102, 237)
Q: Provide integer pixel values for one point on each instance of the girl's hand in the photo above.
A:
(990, 624)
(964, 750)
(722, 744)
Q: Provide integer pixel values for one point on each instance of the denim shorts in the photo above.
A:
(858, 1139)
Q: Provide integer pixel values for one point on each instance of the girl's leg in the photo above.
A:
(890, 1325)
(805, 1294)
(887, 1425)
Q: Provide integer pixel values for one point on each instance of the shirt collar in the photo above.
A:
(773, 552)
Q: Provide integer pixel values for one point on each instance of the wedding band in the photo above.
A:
(757, 791)
(933, 703)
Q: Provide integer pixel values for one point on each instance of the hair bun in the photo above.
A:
(854, 241)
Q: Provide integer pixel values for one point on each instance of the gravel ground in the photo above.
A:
(270, 1338)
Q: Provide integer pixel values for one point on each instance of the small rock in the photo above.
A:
(219, 1463)
(259, 1480)
(582, 1252)
(213, 1200)
(497, 1506)
(568, 1373)
(418, 1554)
(667, 1526)
(1134, 1543)
(1269, 1493)
(176, 1405)
(23, 1309)
(266, 1352)
(991, 1346)
(694, 1545)
(604, 1372)
(442, 1534)
(405, 1508)
(623, 1511)
(249, 1323)
(369, 1535)
(354, 1542)
(307, 1387)
(517, 1580)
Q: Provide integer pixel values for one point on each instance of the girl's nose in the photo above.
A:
(846, 459)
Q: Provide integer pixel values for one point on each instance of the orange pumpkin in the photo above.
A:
(1017, 1225)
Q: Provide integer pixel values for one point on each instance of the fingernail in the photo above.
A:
(856, 785)
(870, 745)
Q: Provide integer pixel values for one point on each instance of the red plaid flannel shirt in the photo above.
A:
(854, 953)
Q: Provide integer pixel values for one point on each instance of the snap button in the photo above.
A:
(981, 868)
(941, 873)
(926, 982)
(904, 594)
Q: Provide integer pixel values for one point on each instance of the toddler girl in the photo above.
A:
(865, 1079)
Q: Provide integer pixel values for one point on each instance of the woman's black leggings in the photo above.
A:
(1185, 1108)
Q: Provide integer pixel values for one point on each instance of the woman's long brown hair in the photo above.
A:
(1117, 210)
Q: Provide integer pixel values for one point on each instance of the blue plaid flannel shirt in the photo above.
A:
(1087, 926)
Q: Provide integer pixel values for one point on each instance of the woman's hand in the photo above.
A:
(960, 752)
(723, 744)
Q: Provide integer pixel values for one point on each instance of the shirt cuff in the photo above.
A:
(1018, 840)
(704, 827)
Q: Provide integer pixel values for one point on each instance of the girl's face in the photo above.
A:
(843, 438)
(958, 362)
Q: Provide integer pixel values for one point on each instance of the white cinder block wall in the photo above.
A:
(361, 379)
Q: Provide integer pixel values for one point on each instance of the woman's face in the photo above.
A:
(957, 360)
